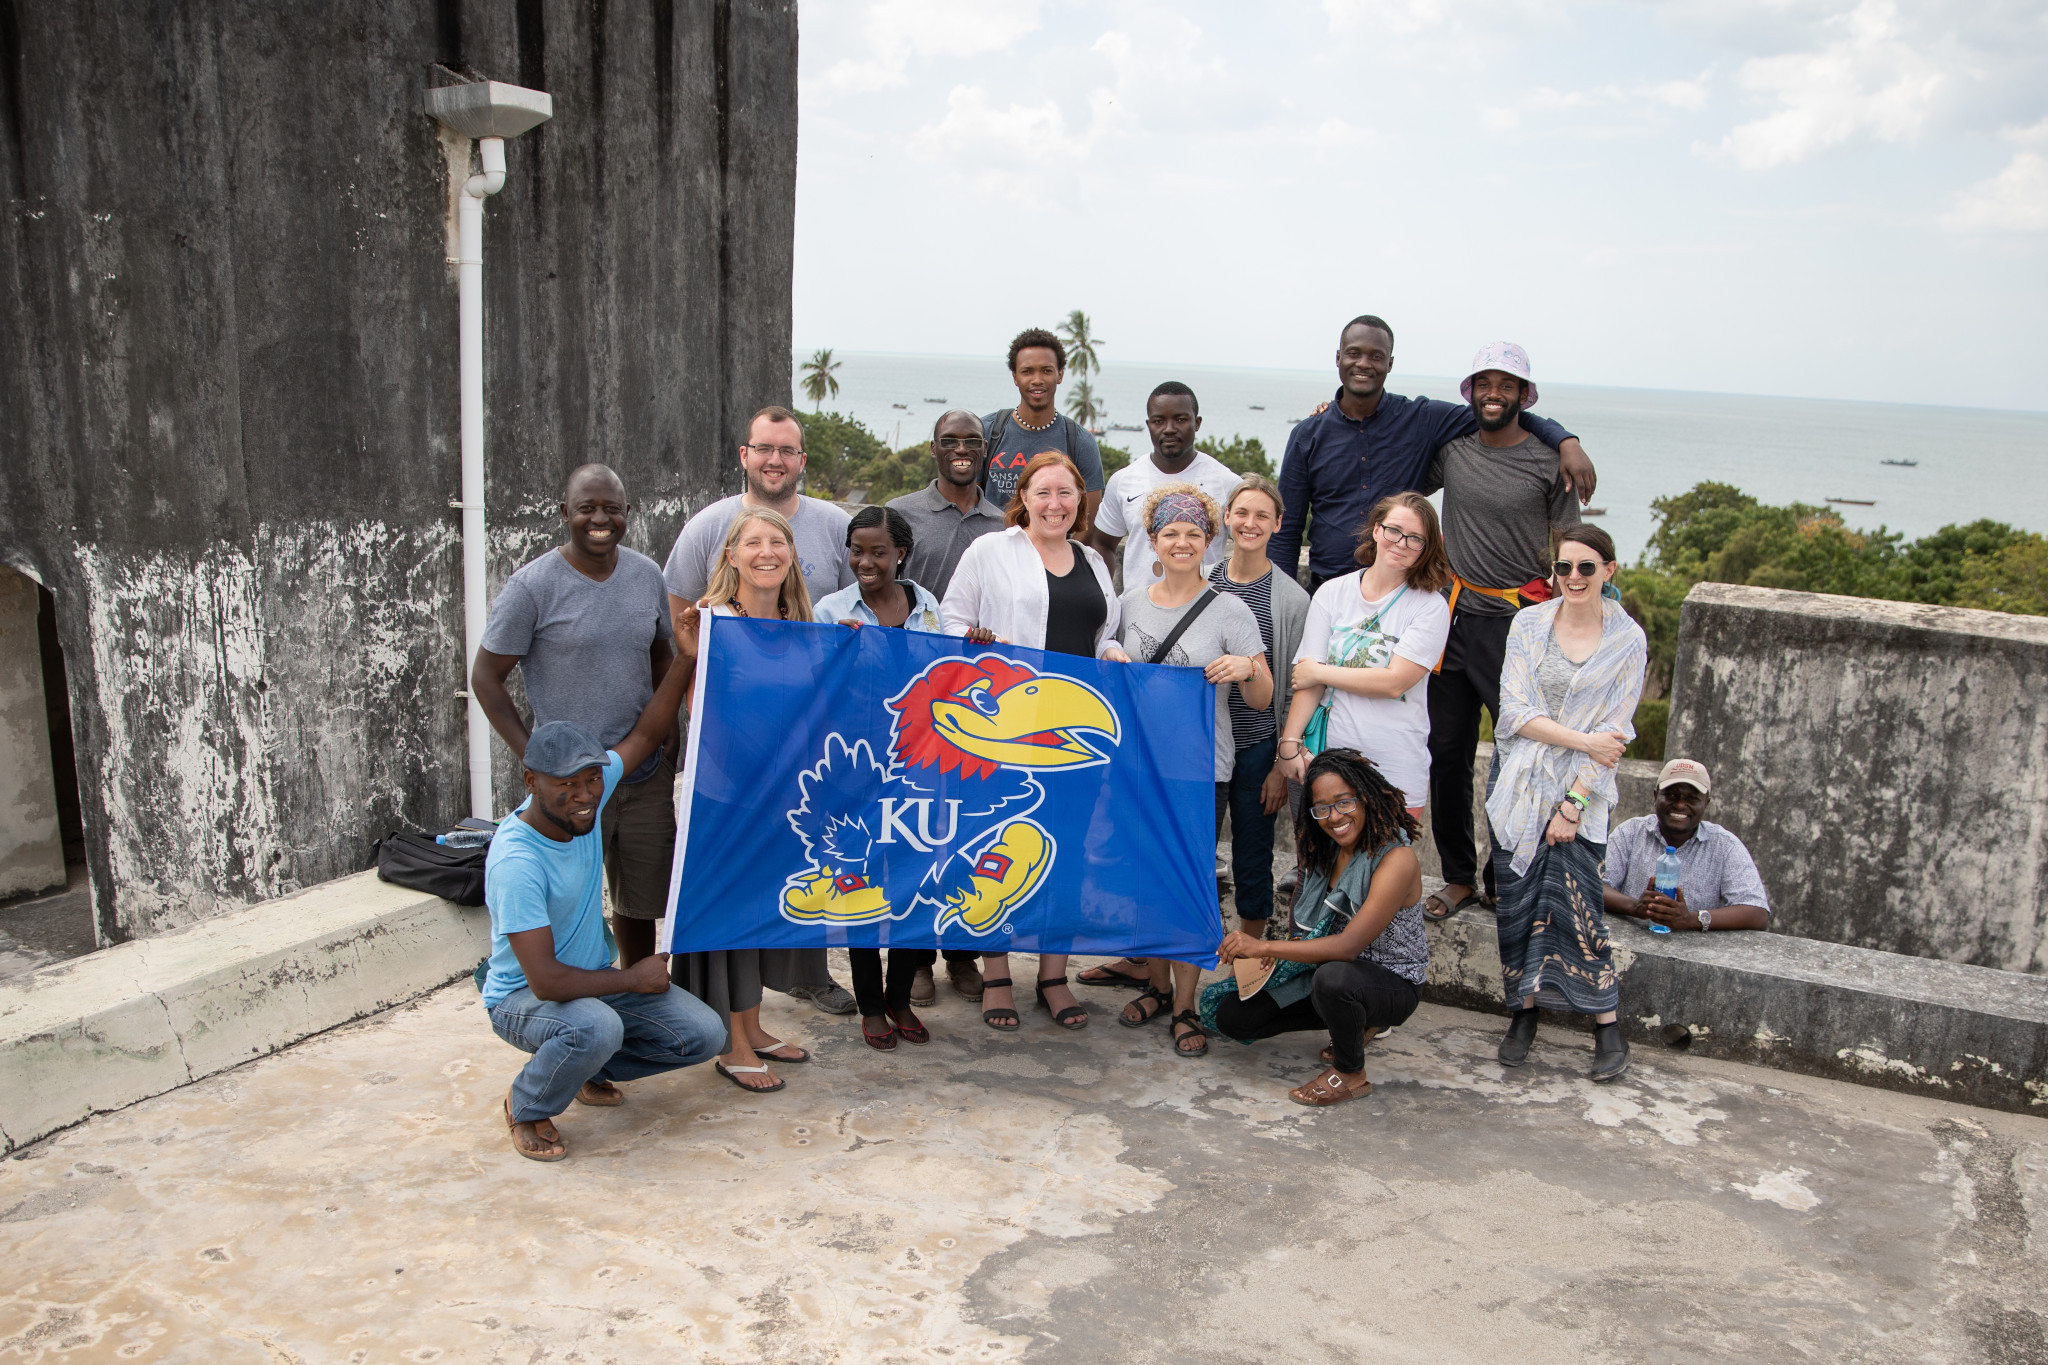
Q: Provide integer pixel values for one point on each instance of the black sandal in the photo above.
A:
(1161, 1002)
(1068, 1017)
(1002, 1019)
(1193, 1021)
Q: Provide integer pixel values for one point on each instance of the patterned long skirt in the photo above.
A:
(1553, 934)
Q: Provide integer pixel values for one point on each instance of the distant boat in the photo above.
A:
(1258, 407)
(1292, 420)
(1595, 512)
(1123, 426)
(934, 400)
(1855, 502)
(1902, 464)
(904, 406)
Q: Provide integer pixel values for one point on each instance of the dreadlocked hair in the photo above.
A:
(1382, 811)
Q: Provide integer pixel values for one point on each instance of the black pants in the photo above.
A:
(1347, 999)
(868, 992)
(1470, 680)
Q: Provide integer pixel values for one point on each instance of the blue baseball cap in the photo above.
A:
(559, 749)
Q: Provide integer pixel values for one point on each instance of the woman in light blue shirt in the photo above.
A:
(877, 543)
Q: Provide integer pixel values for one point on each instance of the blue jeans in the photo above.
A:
(605, 1038)
(1251, 831)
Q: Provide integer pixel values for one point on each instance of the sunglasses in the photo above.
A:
(1586, 568)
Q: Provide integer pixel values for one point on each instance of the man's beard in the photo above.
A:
(1505, 420)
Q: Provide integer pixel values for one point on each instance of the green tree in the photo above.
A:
(1933, 568)
(820, 381)
(896, 472)
(1113, 458)
(1239, 454)
(839, 452)
(1081, 405)
(1079, 334)
(2014, 579)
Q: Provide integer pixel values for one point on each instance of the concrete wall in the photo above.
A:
(31, 845)
(1886, 762)
(232, 393)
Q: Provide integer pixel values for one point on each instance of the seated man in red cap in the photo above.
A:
(1718, 885)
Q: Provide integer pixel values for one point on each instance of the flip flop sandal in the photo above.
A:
(1327, 1089)
(513, 1128)
(1002, 1019)
(1329, 1054)
(885, 1041)
(910, 1028)
(1112, 977)
(1439, 908)
(777, 1054)
(1194, 1022)
(1162, 1004)
(607, 1095)
(1073, 1017)
(733, 1074)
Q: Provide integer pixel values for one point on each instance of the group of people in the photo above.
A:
(1349, 703)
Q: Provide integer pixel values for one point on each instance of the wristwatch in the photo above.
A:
(1706, 920)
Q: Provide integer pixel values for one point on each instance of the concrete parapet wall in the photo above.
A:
(1970, 1034)
(1886, 763)
(140, 1018)
(31, 845)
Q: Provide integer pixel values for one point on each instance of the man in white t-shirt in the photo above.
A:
(1172, 417)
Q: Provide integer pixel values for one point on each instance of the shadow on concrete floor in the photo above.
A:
(51, 926)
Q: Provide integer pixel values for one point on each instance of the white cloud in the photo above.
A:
(1874, 78)
(973, 127)
(898, 30)
(2014, 200)
(1385, 16)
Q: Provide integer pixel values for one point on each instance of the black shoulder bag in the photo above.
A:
(1180, 626)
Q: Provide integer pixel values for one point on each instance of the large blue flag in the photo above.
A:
(877, 788)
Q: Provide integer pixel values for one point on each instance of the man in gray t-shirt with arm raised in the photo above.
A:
(1503, 498)
(587, 626)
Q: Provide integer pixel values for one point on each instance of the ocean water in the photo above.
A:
(1644, 443)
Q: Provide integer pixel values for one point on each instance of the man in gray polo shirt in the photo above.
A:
(951, 512)
(587, 626)
(1718, 885)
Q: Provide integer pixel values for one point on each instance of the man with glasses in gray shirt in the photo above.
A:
(951, 512)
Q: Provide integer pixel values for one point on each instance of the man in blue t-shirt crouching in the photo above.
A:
(551, 988)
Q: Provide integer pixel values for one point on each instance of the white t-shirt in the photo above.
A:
(1345, 629)
(1123, 503)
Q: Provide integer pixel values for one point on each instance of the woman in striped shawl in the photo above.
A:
(1568, 693)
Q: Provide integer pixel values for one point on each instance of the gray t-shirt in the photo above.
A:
(1499, 508)
(583, 645)
(1011, 447)
(1226, 626)
(820, 547)
(940, 533)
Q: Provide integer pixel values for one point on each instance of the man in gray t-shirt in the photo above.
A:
(1038, 364)
(1503, 498)
(587, 626)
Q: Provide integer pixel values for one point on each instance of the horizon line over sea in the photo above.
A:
(1967, 463)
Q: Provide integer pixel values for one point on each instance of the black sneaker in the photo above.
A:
(1610, 1052)
(1514, 1049)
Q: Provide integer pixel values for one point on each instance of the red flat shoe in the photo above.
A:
(910, 1029)
(885, 1041)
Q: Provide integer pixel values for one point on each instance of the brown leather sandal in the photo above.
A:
(1327, 1089)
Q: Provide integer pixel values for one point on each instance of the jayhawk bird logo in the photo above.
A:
(944, 824)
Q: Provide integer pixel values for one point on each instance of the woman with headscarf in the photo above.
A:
(1031, 584)
(1568, 693)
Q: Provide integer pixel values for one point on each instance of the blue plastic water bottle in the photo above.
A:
(464, 838)
(1667, 882)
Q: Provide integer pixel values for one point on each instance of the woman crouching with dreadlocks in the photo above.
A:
(1355, 960)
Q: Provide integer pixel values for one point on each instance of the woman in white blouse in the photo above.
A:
(1032, 585)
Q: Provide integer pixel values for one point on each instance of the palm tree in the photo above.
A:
(1081, 357)
(818, 381)
(1081, 404)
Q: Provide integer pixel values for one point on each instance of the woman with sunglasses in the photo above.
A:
(1366, 650)
(1568, 693)
(1357, 954)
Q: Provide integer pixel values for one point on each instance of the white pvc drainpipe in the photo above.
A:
(469, 262)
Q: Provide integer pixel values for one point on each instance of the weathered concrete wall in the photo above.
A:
(1886, 762)
(31, 845)
(230, 377)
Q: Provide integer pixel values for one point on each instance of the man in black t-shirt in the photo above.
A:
(1038, 364)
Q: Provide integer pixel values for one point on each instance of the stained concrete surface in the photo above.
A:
(38, 930)
(1052, 1196)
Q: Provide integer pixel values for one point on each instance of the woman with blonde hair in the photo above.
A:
(757, 576)
(1032, 584)
(1361, 673)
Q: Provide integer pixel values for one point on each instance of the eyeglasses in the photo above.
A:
(973, 445)
(1586, 568)
(1343, 805)
(1394, 536)
(786, 452)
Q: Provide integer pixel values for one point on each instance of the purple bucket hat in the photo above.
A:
(1506, 357)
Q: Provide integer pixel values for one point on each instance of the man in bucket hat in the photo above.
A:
(1504, 499)
(550, 987)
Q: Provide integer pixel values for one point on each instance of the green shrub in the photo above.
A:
(1652, 718)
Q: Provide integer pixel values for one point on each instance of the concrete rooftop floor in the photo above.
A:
(1049, 1196)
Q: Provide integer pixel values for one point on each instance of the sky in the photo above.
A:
(1818, 198)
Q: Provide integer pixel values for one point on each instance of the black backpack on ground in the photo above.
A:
(416, 861)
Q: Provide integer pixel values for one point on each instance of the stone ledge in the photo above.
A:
(1974, 1035)
(102, 1031)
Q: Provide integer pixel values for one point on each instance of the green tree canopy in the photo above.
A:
(1239, 454)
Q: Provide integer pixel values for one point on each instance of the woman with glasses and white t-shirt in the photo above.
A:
(1367, 648)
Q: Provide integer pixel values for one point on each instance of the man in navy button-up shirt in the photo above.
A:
(1370, 443)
